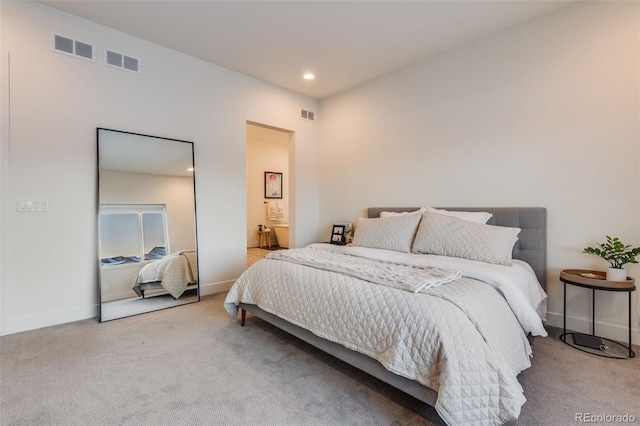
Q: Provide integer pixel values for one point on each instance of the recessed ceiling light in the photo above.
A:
(190, 169)
(308, 76)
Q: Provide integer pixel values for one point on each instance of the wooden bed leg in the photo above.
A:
(243, 317)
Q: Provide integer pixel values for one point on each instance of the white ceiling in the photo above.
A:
(345, 43)
(134, 153)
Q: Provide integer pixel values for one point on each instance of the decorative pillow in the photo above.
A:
(450, 236)
(392, 214)
(389, 233)
(478, 217)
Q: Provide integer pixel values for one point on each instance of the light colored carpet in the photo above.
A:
(193, 365)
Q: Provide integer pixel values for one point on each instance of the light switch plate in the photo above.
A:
(25, 205)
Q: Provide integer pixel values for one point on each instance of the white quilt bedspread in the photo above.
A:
(517, 283)
(460, 339)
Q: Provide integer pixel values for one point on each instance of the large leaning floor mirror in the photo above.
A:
(147, 224)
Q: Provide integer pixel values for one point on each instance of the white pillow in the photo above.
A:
(477, 217)
(392, 214)
(450, 236)
(390, 233)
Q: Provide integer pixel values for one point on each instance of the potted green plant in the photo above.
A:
(617, 254)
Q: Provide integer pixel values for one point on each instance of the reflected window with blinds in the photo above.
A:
(131, 233)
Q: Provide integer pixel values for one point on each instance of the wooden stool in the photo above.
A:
(265, 237)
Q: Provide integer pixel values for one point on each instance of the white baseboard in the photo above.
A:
(119, 296)
(609, 331)
(256, 244)
(18, 325)
(213, 288)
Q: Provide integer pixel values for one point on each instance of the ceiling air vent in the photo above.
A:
(122, 61)
(307, 115)
(73, 47)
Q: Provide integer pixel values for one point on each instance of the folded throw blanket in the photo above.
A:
(402, 277)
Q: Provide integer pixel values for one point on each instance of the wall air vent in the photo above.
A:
(75, 48)
(121, 61)
(307, 115)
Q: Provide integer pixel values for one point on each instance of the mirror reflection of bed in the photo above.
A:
(147, 229)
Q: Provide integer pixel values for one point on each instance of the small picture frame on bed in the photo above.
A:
(338, 235)
(272, 185)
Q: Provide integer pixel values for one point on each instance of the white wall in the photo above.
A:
(545, 114)
(267, 151)
(52, 105)
(116, 281)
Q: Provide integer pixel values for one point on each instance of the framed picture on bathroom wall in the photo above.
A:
(272, 185)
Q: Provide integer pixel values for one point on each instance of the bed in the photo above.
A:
(174, 273)
(457, 342)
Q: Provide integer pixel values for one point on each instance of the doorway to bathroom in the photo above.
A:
(268, 189)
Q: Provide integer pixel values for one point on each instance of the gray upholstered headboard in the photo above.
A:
(532, 240)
